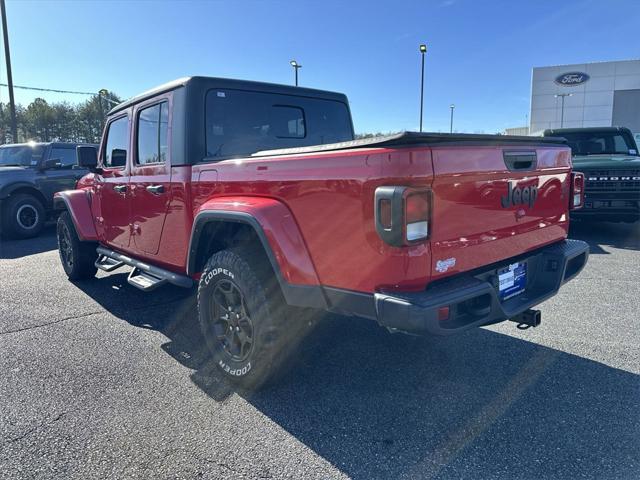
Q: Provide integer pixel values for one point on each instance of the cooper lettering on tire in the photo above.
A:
(242, 325)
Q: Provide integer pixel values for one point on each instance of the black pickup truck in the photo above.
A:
(30, 173)
(610, 161)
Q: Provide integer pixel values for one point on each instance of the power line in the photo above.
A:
(49, 90)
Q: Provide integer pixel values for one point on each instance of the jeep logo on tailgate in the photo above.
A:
(519, 195)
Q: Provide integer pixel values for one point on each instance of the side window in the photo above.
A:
(115, 154)
(153, 125)
(67, 157)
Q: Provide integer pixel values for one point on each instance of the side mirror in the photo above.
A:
(51, 163)
(88, 158)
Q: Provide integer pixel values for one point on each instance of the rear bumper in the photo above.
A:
(473, 298)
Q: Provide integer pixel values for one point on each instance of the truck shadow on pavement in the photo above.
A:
(624, 236)
(45, 242)
(479, 405)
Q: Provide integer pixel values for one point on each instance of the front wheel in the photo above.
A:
(243, 318)
(78, 258)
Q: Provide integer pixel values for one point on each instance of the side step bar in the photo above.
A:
(107, 264)
(143, 276)
(144, 281)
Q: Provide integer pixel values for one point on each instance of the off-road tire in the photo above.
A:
(274, 328)
(23, 216)
(77, 257)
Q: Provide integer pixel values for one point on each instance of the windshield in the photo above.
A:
(23, 155)
(595, 143)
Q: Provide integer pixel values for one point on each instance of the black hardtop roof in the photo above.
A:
(560, 131)
(205, 83)
(404, 139)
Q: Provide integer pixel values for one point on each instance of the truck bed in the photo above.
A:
(406, 139)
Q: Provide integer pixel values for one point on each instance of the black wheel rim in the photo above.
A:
(232, 324)
(64, 246)
(27, 216)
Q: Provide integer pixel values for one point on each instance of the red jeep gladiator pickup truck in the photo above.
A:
(260, 195)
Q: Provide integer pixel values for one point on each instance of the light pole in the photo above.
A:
(12, 103)
(562, 95)
(423, 50)
(295, 66)
(452, 107)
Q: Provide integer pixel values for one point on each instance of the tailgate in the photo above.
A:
(491, 203)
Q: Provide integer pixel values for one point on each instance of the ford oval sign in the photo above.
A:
(571, 79)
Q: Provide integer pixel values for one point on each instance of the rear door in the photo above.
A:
(111, 203)
(496, 202)
(150, 174)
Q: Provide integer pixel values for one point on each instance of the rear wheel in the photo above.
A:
(78, 258)
(247, 325)
(23, 216)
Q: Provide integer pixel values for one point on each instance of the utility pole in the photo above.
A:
(423, 50)
(102, 93)
(7, 55)
(562, 95)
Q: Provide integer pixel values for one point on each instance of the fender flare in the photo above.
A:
(78, 204)
(9, 188)
(280, 237)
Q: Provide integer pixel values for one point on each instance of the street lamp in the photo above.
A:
(423, 50)
(452, 106)
(295, 66)
(562, 95)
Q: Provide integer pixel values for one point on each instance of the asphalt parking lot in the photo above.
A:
(100, 380)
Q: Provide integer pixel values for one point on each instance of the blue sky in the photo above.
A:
(480, 52)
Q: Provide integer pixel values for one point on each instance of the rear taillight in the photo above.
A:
(577, 190)
(402, 214)
(416, 208)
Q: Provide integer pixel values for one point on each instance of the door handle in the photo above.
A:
(120, 188)
(156, 189)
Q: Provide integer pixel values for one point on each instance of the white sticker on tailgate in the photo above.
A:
(506, 280)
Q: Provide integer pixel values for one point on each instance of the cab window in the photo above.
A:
(115, 154)
(152, 128)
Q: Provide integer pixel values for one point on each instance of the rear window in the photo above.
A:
(240, 123)
(594, 143)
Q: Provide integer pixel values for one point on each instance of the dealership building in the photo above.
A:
(586, 95)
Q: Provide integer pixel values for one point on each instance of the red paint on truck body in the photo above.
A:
(318, 212)
(469, 223)
(281, 230)
(330, 196)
